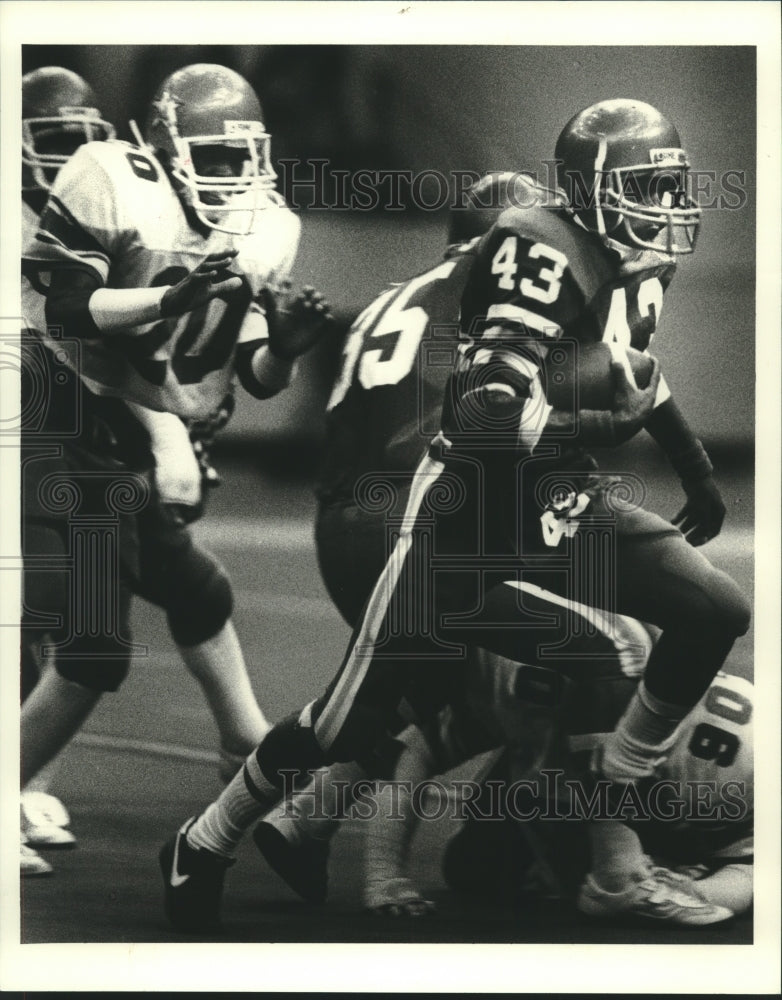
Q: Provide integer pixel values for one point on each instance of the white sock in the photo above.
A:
(643, 737)
(222, 825)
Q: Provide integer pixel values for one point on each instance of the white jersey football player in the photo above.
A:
(59, 114)
(690, 865)
(159, 269)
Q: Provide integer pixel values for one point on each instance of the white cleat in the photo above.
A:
(31, 863)
(45, 820)
(662, 896)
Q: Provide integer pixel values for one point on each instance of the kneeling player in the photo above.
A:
(701, 834)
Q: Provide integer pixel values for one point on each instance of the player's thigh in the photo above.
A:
(352, 549)
(662, 579)
(181, 577)
(529, 624)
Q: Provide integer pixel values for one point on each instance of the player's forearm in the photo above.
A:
(81, 308)
(669, 428)
(260, 372)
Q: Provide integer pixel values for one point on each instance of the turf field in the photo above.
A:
(146, 758)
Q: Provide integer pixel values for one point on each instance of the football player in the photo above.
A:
(703, 829)
(191, 218)
(495, 497)
(59, 114)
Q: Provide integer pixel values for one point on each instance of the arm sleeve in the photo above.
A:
(669, 428)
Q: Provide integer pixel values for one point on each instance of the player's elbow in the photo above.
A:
(67, 303)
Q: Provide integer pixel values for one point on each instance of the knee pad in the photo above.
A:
(101, 674)
(289, 746)
(718, 606)
(196, 594)
(100, 662)
(45, 602)
(735, 609)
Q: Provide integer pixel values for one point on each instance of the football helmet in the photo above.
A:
(626, 176)
(207, 105)
(485, 201)
(59, 113)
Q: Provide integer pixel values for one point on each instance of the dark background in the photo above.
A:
(449, 108)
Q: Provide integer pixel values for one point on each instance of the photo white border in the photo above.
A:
(434, 968)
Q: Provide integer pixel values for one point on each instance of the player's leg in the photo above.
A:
(196, 594)
(701, 612)
(294, 837)
(350, 721)
(388, 890)
(66, 695)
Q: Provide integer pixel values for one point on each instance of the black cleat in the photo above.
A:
(193, 883)
(304, 867)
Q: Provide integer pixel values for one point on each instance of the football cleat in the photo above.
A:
(45, 820)
(31, 863)
(192, 883)
(396, 897)
(662, 896)
(302, 866)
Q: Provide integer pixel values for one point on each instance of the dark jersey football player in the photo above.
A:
(495, 496)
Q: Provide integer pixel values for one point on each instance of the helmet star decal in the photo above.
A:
(166, 108)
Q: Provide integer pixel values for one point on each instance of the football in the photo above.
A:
(579, 377)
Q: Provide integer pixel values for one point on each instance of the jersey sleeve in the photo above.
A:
(268, 261)
(83, 222)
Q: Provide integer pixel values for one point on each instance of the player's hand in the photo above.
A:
(700, 519)
(210, 280)
(296, 323)
(178, 480)
(632, 406)
(202, 434)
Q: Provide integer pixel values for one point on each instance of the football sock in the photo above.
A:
(222, 825)
(618, 859)
(643, 737)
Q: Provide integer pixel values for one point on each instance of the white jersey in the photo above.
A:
(114, 210)
(710, 769)
(32, 300)
(714, 750)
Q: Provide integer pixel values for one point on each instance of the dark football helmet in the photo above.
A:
(485, 201)
(59, 114)
(206, 113)
(626, 176)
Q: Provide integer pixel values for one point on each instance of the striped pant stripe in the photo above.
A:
(332, 718)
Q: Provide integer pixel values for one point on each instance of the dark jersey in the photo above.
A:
(540, 278)
(386, 404)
